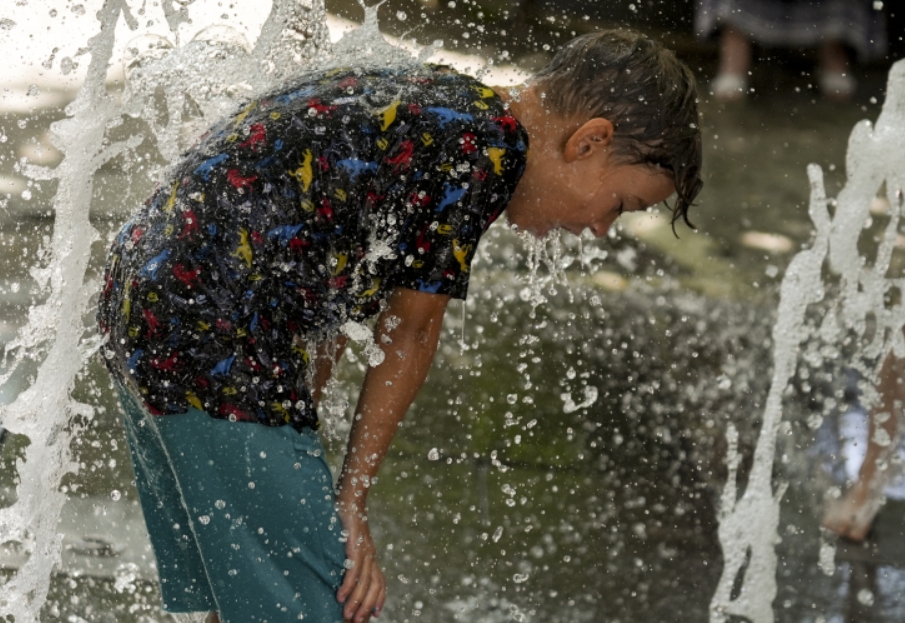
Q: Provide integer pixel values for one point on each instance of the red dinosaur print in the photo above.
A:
(186, 276)
(507, 122)
(468, 143)
(257, 135)
(404, 157)
(319, 108)
(326, 210)
(237, 180)
(167, 365)
(153, 323)
(189, 224)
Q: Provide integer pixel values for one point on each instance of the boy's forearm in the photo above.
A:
(388, 391)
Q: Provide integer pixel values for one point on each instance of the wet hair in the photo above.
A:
(645, 91)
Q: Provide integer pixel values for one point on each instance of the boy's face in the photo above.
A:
(575, 180)
(577, 197)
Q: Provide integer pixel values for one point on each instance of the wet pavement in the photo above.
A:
(500, 501)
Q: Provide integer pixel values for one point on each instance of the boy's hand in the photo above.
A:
(407, 332)
(363, 590)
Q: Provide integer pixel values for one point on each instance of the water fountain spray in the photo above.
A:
(748, 524)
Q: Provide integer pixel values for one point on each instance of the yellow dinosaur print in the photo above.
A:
(480, 105)
(298, 350)
(307, 206)
(193, 400)
(388, 115)
(427, 140)
(383, 143)
(203, 326)
(340, 194)
(242, 115)
(243, 251)
(461, 252)
(484, 92)
(304, 174)
(341, 261)
(375, 286)
(127, 299)
(496, 157)
(444, 229)
(278, 408)
(171, 202)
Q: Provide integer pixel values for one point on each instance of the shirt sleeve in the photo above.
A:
(453, 200)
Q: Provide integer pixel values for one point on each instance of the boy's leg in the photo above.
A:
(261, 507)
(183, 580)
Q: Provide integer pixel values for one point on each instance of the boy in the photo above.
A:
(349, 195)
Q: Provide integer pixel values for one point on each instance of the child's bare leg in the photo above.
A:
(212, 617)
(852, 515)
(735, 52)
(735, 61)
(835, 78)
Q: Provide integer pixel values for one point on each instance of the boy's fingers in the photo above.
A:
(355, 601)
(350, 581)
(370, 594)
(370, 603)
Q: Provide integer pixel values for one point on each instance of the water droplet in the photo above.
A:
(78, 9)
(115, 495)
(433, 455)
(866, 597)
(497, 534)
(220, 504)
(400, 15)
(512, 398)
(348, 564)
(67, 65)
(7, 24)
(251, 485)
(233, 572)
(26, 194)
(204, 519)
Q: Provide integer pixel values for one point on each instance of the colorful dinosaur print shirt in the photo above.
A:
(295, 216)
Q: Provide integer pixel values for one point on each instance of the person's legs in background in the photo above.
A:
(731, 82)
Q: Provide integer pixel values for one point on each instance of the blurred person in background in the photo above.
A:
(834, 27)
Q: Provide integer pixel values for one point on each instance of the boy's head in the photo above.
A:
(644, 91)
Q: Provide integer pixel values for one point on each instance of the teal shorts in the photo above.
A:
(241, 516)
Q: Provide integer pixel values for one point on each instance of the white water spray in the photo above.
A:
(57, 329)
(748, 525)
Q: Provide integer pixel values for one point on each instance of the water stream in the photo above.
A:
(585, 442)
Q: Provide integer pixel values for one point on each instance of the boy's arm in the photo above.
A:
(407, 332)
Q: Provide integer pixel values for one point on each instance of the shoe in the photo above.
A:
(836, 85)
(729, 87)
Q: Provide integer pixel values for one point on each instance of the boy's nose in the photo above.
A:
(600, 229)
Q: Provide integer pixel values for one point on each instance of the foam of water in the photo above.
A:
(858, 308)
(293, 38)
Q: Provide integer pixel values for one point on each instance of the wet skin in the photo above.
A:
(574, 179)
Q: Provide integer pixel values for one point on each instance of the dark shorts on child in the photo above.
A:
(241, 516)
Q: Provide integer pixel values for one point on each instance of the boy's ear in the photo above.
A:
(589, 139)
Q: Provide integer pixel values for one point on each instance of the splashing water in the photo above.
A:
(175, 95)
(292, 39)
(859, 309)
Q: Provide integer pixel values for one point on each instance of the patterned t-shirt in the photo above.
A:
(298, 214)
